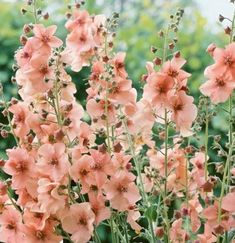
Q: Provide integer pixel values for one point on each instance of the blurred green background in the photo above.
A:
(140, 21)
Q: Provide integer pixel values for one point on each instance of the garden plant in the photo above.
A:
(126, 163)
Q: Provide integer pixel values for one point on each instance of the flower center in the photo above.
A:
(45, 39)
(43, 69)
(122, 188)
(54, 161)
(82, 221)
(11, 226)
(220, 82)
(228, 61)
(178, 107)
(40, 235)
(173, 73)
(21, 167)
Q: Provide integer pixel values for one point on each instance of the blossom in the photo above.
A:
(20, 166)
(46, 234)
(53, 161)
(79, 222)
(119, 66)
(11, 226)
(219, 87)
(122, 191)
(228, 202)
(224, 60)
(45, 36)
(20, 113)
(184, 112)
(173, 70)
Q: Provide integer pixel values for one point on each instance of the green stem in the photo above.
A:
(206, 140)
(13, 202)
(167, 237)
(138, 170)
(35, 11)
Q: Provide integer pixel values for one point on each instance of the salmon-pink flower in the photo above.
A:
(156, 89)
(173, 70)
(119, 66)
(79, 20)
(20, 166)
(53, 161)
(184, 112)
(219, 86)
(81, 170)
(50, 196)
(11, 226)
(177, 234)
(20, 113)
(39, 71)
(121, 91)
(37, 219)
(208, 236)
(228, 202)
(132, 216)
(79, 222)
(100, 210)
(35, 235)
(122, 191)
(224, 60)
(45, 36)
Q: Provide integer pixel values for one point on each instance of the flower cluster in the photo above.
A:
(221, 74)
(120, 162)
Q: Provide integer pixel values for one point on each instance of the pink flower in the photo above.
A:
(132, 217)
(101, 166)
(119, 66)
(219, 86)
(53, 161)
(51, 197)
(100, 210)
(173, 70)
(79, 222)
(35, 235)
(224, 60)
(157, 87)
(122, 191)
(81, 170)
(45, 36)
(228, 202)
(20, 123)
(11, 226)
(36, 219)
(208, 236)
(39, 71)
(184, 112)
(80, 20)
(177, 234)
(20, 166)
(121, 91)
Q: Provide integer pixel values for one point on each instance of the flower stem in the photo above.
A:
(206, 139)
(141, 184)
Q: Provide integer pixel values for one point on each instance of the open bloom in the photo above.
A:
(173, 70)
(184, 112)
(35, 235)
(53, 161)
(45, 36)
(122, 191)
(79, 222)
(20, 166)
(11, 225)
(219, 86)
